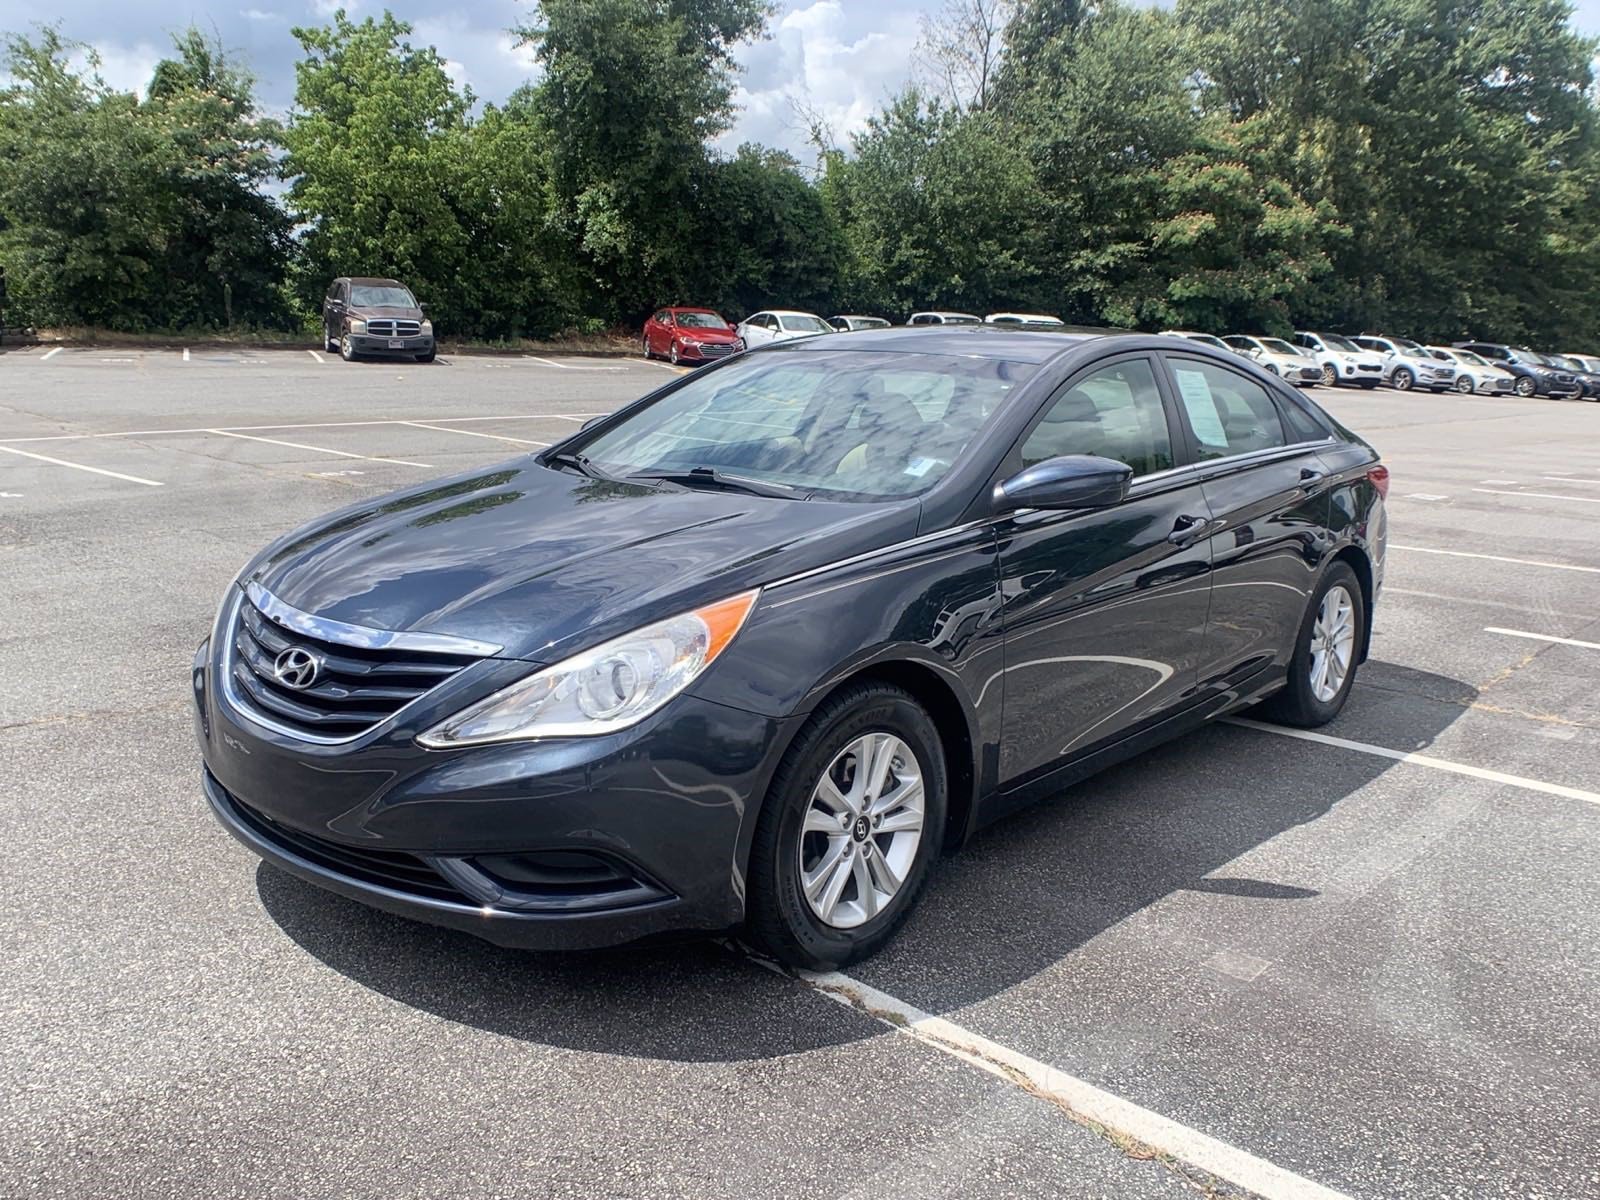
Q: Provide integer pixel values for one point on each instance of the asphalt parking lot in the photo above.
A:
(1363, 964)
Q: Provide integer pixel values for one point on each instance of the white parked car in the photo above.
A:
(1407, 365)
(1011, 318)
(1475, 373)
(780, 325)
(1277, 356)
(1341, 360)
(1205, 339)
(851, 323)
(943, 318)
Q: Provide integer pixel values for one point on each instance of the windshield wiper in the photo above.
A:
(700, 476)
(578, 462)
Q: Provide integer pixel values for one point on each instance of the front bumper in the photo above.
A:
(662, 812)
(365, 343)
(709, 352)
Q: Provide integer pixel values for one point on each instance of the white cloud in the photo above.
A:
(256, 14)
(125, 68)
(487, 59)
(821, 57)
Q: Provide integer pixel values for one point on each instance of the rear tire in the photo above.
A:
(1312, 698)
(644, 344)
(795, 840)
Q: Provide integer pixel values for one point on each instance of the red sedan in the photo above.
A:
(689, 335)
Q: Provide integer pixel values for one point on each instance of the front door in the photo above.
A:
(1105, 610)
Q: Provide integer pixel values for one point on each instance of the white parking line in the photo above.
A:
(1567, 479)
(1541, 637)
(567, 366)
(496, 437)
(404, 462)
(1078, 1098)
(80, 467)
(316, 356)
(1542, 495)
(186, 354)
(49, 354)
(122, 433)
(1521, 562)
(1421, 760)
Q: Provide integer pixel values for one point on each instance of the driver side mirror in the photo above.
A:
(1065, 482)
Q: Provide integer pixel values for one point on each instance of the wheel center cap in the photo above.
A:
(861, 829)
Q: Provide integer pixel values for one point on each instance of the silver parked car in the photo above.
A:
(939, 317)
(1407, 365)
(1205, 339)
(1475, 373)
(1277, 356)
(850, 323)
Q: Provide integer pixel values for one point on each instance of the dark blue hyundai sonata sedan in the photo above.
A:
(752, 652)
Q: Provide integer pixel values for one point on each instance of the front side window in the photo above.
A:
(799, 323)
(1228, 413)
(1115, 412)
(845, 424)
(368, 296)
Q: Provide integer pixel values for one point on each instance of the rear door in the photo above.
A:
(1105, 610)
(1256, 459)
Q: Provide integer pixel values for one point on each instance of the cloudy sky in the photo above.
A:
(843, 57)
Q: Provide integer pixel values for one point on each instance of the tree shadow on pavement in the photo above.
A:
(1021, 897)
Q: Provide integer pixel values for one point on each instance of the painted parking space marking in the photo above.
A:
(186, 354)
(316, 356)
(122, 433)
(49, 354)
(1079, 1099)
(1541, 637)
(404, 462)
(1521, 562)
(1420, 760)
(497, 437)
(61, 462)
(1568, 479)
(1499, 481)
(550, 362)
(1542, 495)
(1427, 495)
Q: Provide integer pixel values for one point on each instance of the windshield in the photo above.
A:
(960, 319)
(699, 320)
(803, 323)
(866, 322)
(1279, 346)
(855, 423)
(1205, 339)
(1467, 356)
(1340, 343)
(382, 297)
(1414, 352)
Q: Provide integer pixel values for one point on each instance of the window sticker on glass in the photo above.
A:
(1202, 409)
(921, 466)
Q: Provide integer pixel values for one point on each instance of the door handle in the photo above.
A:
(1310, 475)
(1187, 529)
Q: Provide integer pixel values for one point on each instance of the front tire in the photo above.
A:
(1402, 380)
(673, 354)
(429, 356)
(1330, 377)
(346, 348)
(1525, 387)
(1465, 386)
(1323, 668)
(849, 829)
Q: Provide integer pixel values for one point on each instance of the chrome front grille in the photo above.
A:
(717, 349)
(325, 681)
(387, 327)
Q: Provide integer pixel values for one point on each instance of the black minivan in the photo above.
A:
(755, 650)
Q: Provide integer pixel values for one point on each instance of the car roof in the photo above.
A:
(974, 341)
(944, 312)
(789, 312)
(689, 308)
(376, 281)
(1039, 318)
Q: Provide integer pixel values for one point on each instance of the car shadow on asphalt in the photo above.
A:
(1019, 898)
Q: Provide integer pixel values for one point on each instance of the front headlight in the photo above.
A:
(427, 328)
(617, 684)
(357, 326)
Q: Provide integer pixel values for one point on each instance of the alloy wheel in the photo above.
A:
(1330, 377)
(674, 354)
(862, 827)
(1525, 387)
(1464, 385)
(1402, 381)
(1333, 640)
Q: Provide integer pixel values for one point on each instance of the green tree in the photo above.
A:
(378, 144)
(632, 91)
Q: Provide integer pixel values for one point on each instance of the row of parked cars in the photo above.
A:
(1309, 358)
(1368, 360)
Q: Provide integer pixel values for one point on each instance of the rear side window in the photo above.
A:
(1115, 412)
(1302, 426)
(1228, 413)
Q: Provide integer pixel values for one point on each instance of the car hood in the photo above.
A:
(694, 333)
(543, 562)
